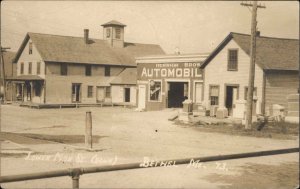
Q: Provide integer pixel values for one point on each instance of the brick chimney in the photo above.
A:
(86, 36)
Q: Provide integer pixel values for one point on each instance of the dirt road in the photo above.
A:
(122, 136)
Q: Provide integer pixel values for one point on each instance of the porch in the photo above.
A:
(27, 88)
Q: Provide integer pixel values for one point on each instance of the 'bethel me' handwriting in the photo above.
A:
(193, 163)
(97, 159)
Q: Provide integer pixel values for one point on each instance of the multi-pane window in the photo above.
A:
(107, 70)
(30, 68)
(63, 69)
(118, 33)
(232, 60)
(90, 91)
(22, 68)
(107, 92)
(107, 32)
(38, 68)
(30, 48)
(214, 95)
(88, 70)
(246, 92)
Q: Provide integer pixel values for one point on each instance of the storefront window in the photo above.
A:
(155, 90)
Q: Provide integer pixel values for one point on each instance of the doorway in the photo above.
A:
(231, 95)
(100, 94)
(142, 97)
(76, 92)
(20, 91)
(127, 94)
(198, 88)
(177, 93)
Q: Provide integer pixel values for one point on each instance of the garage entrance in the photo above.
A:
(177, 93)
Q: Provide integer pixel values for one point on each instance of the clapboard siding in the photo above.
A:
(216, 74)
(35, 57)
(279, 85)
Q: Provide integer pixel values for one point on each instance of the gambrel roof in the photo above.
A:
(271, 53)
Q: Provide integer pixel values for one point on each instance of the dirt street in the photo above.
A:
(55, 138)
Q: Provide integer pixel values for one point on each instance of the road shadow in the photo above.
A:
(30, 138)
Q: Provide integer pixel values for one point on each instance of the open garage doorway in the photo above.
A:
(177, 93)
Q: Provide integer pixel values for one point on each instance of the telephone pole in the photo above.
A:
(3, 49)
(252, 63)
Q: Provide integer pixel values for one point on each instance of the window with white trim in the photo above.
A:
(214, 94)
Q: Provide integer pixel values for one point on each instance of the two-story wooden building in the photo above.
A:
(227, 73)
(53, 69)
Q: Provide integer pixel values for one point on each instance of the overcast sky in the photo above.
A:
(193, 27)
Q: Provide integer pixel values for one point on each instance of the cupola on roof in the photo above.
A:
(113, 23)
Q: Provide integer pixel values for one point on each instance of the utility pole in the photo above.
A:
(3, 49)
(2, 64)
(252, 62)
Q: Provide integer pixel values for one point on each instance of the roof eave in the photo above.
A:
(21, 48)
(217, 50)
(280, 69)
(93, 63)
(106, 25)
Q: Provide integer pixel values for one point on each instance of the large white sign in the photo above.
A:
(185, 70)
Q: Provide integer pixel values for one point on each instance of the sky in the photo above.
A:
(190, 26)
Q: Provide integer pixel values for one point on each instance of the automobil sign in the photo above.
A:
(169, 70)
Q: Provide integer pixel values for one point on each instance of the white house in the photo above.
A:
(226, 73)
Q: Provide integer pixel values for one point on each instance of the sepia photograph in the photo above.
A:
(149, 94)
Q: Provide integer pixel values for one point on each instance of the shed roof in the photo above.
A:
(127, 76)
(26, 78)
(55, 48)
(271, 53)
